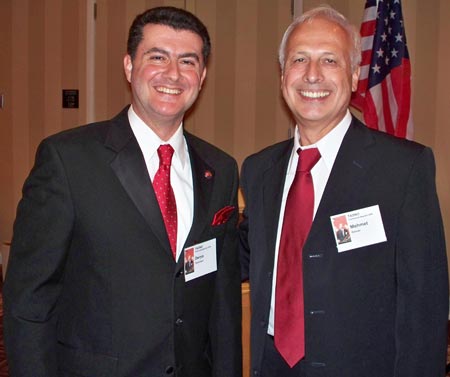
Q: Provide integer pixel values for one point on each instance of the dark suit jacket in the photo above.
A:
(92, 288)
(375, 311)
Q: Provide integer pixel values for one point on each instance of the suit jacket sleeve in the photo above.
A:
(422, 281)
(225, 323)
(33, 282)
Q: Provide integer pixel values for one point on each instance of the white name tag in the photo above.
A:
(200, 259)
(362, 227)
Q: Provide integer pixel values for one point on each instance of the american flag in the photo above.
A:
(384, 88)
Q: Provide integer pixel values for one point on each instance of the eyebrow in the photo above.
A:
(156, 49)
(165, 52)
(190, 55)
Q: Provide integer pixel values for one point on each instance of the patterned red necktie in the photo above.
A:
(165, 195)
(289, 308)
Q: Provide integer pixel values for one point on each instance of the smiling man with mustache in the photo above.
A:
(377, 305)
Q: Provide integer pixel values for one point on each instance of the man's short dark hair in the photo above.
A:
(176, 18)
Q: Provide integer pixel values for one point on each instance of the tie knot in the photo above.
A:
(307, 159)
(165, 153)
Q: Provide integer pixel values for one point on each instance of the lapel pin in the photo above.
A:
(208, 174)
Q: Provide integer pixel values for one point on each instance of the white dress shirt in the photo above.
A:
(180, 171)
(328, 147)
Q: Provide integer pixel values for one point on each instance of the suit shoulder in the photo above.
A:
(397, 142)
(392, 147)
(76, 140)
(79, 133)
(386, 139)
(270, 153)
(95, 131)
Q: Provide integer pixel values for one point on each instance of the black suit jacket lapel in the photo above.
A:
(273, 182)
(203, 179)
(130, 168)
(345, 182)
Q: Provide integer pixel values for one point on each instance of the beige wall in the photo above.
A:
(42, 51)
(45, 48)
(6, 147)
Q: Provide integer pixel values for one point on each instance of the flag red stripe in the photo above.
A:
(368, 28)
(386, 109)
(370, 112)
(402, 89)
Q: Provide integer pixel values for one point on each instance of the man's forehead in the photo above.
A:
(316, 36)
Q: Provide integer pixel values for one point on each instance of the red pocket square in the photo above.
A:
(222, 215)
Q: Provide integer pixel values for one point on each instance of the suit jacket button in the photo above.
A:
(179, 321)
(317, 364)
(169, 369)
(179, 273)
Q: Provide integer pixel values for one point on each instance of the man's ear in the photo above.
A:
(127, 67)
(202, 78)
(355, 78)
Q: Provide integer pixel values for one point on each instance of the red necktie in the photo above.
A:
(165, 195)
(289, 308)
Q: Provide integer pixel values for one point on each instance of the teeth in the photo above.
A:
(310, 94)
(162, 89)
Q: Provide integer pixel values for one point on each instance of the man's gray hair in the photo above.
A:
(330, 14)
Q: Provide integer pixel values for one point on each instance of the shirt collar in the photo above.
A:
(329, 144)
(150, 141)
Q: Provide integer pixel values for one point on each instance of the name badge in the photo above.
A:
(200, 259)
(362, 227)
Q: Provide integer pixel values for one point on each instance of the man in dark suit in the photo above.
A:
(96, 284)
(377, 305)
